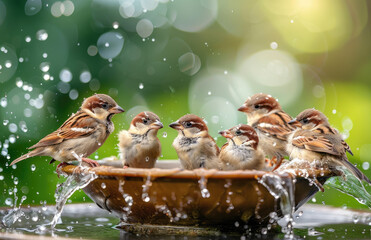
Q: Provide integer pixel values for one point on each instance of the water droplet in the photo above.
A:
(103, 185)
(8, 64)
(209, 93)
(205, 193)
(8, 201)
(28, 39)
(355, 218)
(12, 138)
(147, 159)
(16, 181)
(33, 167)
(34, 216)
(274, 45)
(365, 165)
(164, 134)
(13, 127)
(115, 25)
(141, 86)
(19, 83)
(333, 111)
(225, 72)
(45, 55)
(5, 122)
(1, 177)
(41, 35)
(4, 102)
(44, 66)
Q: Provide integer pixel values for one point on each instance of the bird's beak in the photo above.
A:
(226, 134)
(243, 108)
(176, 126)
(116, 109)
(156, 125)
(294, 121)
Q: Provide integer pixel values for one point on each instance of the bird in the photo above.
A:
(317, 142)
(81, 134)
(194, 146)
(139, 146)
(266, 116)
(242, 151)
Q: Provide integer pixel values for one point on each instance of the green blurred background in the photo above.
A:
(176, 57)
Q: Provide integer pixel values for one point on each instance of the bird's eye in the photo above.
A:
(238, 132)
(188, 124)
(256, 106)
(145, 121)
(305, 120)
(105, 106)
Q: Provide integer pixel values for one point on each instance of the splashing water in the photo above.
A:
(204, 191)
(283, 189)
(14, 214)
(73, 183)
(146, 186)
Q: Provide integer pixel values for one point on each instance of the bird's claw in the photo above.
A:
(90, 162)
(59, 168)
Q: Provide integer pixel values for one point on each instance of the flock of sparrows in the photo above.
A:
(271, 133)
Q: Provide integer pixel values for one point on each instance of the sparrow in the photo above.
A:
(81, 135)
(139, 146)
(266, 116)
(319, 143)
(242, 151)
(194, 146)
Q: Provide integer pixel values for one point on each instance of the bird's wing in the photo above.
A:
(78, 125)
(314, 142)
(329, 130)
(275, 124)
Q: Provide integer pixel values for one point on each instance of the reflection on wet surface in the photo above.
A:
(87, 221)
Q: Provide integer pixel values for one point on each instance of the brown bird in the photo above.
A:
(266, 116)
(319, 143)
(242, 151)
(194, 146)
(139, 146)
(81, 135)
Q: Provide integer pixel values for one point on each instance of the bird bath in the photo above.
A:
(168, 199)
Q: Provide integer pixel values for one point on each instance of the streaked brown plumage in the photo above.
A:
(194, 146)
(242, 151)
(82, 134)
(270, 122)
(139, 146)
(318, 141)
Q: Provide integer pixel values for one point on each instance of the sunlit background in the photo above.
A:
(176, 57)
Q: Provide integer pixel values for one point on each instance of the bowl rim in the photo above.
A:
(178, 173)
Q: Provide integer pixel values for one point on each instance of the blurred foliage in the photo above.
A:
(173, 58)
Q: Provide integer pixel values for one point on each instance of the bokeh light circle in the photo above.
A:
(189, 63)
(216, 96)
(193, 15)
(144, 28)
(32, 7)
(110, 44)
(8, 62)
(275, 72)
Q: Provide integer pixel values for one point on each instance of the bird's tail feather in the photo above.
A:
(356, 171)
(33, 153)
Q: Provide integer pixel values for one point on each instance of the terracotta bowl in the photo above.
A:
(167, 195)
